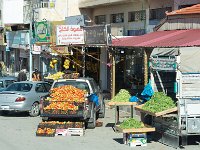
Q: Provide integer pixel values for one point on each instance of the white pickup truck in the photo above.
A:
(89, 111)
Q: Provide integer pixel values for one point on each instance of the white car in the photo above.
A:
(23, 96)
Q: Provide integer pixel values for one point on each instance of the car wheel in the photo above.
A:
(35, 110)
(102, 111)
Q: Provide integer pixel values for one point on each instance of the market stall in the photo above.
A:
(177, 80)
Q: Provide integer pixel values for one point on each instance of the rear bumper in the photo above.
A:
(14, 107)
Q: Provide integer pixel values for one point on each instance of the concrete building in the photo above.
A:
(131, 17)
(17, 23)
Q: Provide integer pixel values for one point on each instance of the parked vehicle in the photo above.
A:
(90, 110)
(6, 81)
(23, 96)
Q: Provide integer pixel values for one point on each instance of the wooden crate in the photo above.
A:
(139, 108)
(75, 132)
(61, 132)
(121, 103)
(147, 128)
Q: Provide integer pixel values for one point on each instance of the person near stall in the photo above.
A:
(22, 75)
(36, 76)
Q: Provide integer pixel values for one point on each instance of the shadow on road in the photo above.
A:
(110, 125)
(119, 140)
(15, 114)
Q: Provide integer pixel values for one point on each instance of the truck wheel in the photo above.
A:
(92, 125)
(102, 111)
(35, 110)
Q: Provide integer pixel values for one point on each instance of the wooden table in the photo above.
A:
(117, 104)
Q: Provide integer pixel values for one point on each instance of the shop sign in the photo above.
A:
(98, 35)
(69, 34)
(164, 63)
(36, 49)
(75, 20)
(42, 32)
(18, 39)
(60, 50)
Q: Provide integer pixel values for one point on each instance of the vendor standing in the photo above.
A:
(36, 76)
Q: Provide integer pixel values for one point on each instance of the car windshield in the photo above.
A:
(1, 84)
(77, 84)
(22, 87)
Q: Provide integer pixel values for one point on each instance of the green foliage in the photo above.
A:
(122, 96)
(159, 102)
(131, 123)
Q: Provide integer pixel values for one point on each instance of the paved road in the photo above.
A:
(17, 132)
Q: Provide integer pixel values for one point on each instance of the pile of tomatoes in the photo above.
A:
(65, 98)
(67, 93)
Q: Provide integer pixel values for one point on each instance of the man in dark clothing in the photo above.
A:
(22, 75)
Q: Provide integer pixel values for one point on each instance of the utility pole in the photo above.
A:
(30, 42)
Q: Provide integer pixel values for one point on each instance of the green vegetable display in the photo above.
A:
(122, 96)
(159, 102)
(131, 123)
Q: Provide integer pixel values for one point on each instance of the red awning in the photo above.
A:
(173, 38)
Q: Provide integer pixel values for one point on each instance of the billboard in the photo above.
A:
(69, 34)
(18, 39)
(98, 35)
(42, 31)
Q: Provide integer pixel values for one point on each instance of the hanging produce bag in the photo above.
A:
(147, 92)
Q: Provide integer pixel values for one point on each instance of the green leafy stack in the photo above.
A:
(159, 102)
(131, 123)
(122, 96)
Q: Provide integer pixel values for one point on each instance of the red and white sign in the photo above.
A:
(69, 34)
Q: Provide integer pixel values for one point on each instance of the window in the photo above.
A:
(23, 87)
(100, 19)
(159, 13)
(137, 15)
(47, 86)
(8, 82)
(1, 84)
(77, 84)
(40, 88)
(117, 18)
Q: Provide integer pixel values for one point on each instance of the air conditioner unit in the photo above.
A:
(117, 31)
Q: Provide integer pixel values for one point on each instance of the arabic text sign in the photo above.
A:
(168, 64)
(69, 34)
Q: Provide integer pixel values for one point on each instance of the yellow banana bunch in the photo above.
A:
(53, 62)
(66, 64)
(55, 76)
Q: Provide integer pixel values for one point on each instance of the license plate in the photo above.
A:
(5, 107)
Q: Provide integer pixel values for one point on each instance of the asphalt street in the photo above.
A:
(17, 132)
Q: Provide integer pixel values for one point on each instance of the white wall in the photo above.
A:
(12, 12)
(63, 8)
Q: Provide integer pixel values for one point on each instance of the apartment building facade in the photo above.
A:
(131, 18)
(16, 24)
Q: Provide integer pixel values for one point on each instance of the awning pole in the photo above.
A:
(113, 75)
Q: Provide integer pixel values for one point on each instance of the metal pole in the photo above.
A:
(83, 51)
(30, 44)
(113, 74)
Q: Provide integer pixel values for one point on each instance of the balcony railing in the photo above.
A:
(94, 3)
(40, 5)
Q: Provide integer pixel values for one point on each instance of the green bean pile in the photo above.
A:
(131, 123)
(159, 102)
(122, 96)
